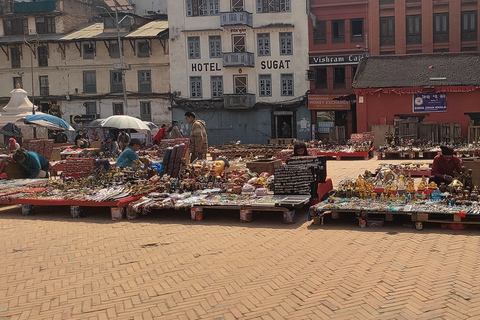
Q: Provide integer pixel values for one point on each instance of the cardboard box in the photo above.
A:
(95, 144)
(267, 165)
(56, 155)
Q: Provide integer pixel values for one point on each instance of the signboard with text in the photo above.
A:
(81, 118)
(331, 60)
(326, 102)
(429, 102)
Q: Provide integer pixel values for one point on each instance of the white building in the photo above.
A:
(241, 66)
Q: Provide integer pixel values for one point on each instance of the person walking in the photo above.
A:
(174, 132)
(198, 137)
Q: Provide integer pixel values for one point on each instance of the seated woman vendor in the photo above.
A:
(218, 167)
(299, 149)
(446, 166)
(126, 158)
(34, 165)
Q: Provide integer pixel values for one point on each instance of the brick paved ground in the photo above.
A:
(165, 266)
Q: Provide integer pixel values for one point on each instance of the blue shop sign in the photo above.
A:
(324, 127)
(429, 102)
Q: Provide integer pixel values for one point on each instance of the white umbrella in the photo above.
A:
(125, 122)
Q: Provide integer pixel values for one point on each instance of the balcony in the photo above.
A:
(239, 101)
(31, 7)
(236, 18)
(238, 59)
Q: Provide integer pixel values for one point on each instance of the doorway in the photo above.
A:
(117, 108)
(284, 125)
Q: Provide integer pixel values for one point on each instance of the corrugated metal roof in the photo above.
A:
(88, 32)
(150, 29)
(122, 5)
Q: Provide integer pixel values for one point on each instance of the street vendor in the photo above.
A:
(446, 166)
(13, 145)
(82, 140)
(33, 164)
(110, 145)
(129, 155)
(300, 149)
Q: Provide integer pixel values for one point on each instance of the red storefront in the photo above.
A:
(390, 85)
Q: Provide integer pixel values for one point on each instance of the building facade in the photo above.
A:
(81, 71)
(241, 66)
(423, 26)
(338, 35)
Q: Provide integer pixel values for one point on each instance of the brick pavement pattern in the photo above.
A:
(165, 266)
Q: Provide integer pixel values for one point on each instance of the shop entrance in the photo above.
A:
(284, 125)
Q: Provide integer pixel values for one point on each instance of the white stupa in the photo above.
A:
(18, 107)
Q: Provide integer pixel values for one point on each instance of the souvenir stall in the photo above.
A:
(375, 198)
(414, 169)
(234, 150)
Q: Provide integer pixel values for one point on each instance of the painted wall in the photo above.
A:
(382, 105)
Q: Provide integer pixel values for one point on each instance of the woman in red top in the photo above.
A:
(160, 134)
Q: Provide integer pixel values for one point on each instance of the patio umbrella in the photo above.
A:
(49, 121)
(125, 122)
(95, 123)
(11, 130)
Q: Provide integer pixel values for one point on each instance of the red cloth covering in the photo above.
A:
(441, 167)
(159, 136)
(324, 188)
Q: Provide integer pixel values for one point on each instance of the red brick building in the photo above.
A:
(338, 33)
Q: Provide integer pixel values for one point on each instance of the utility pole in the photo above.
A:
(120, 50)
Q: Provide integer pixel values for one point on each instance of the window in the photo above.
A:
(339, 78)
(240, 84)
(17, 81)
(143, 49)
(90, 81)
(387, 31)
(117, 108)
(15, 27)
(384, 2)
(238, 5)
(216, 83)
(144, 81)
(116, 85)
(193, 47)
(88, 51)
(356, 30)
(263, 44)
(238, 43)
(354, 72)
(215, 44)
(286, 81)
(43, 85)
(43, 56)
(202, 7)
(145, 111)
(90, 107)
(195, 87)
(440, 27)
(469, 26)
(273, 6)
(15, 57)
(338, 31)
(321, 78)
(265, 85)
(320, 33)
(114, 50)
(286, 43)
(414, 29)
(45, 25)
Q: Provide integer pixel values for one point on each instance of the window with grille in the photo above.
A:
(440, 27)
(15, 57)
(216, 83)
(116, 85)
(90, 107)
(414, 29)
(321, 78)
(45, 25)
(265, 85)
(195, 87)
(469, 26)
(264, 6)
(44, 91)
(339, 78)
(144, 81)
(320, 33)
(145, 111)
(42, 56)
(240, 84)
(117, 108)
(193, 47)
(215, 45)
(238, 5)
(286, 81)
(263, 44)
(114, 50)
(338, 31)
(88, 51)
(143, 49)
(387, 31)
(15, 27)
(286, 43)
(239, 43)
(17, 80)
(202, 7)
(90, 81)
(356, 30)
